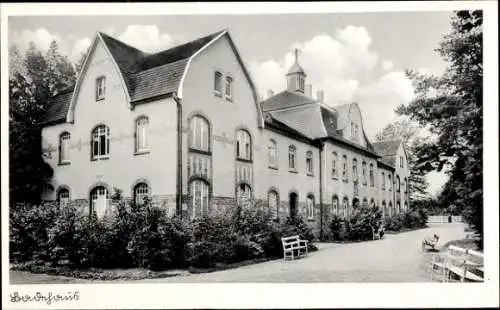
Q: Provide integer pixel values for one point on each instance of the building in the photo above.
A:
(186, 127)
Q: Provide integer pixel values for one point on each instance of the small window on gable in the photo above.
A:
(100, 88)
(229, 87)
(218, 83)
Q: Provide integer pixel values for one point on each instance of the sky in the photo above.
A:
(352, 57)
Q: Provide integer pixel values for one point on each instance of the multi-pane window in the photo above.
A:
(100, 142)
(199, 133)
(310, 207)
(292, 154)
(243, 194)
(100, 88)
(229, 87)
(398, 183)
(383, 181)
(335, 205)
(99, 199)
(272, 153)
(390, 182)
(243, 145)
(64, 147)
(401, 161)
(199, 192)
(218, 83)
(141, 191)
(345, 207)
(63, 197)
(364, 172)
(372, 176)
(344, 168)
(309, 162)
(141, 134)
(354, 169)
(273, 203)
(334, 165)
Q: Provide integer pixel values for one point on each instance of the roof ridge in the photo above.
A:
(121, 42)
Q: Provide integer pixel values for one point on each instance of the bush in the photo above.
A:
(409, 219)
(359, 226)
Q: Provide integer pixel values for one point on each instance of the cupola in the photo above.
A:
(296, 77)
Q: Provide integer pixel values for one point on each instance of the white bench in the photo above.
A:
(294, 247)
(460, 262)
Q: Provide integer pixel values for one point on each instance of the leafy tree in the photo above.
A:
(16, 62)
(79, 64)
(408, 132)
(60, 71)
(451, 107)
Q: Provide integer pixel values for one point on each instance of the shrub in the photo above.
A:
(409, 219)
(359, 226)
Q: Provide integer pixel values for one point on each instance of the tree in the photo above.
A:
(16, 62)
(60, 71)
(408, 132)
(79, 64)
(451, 107)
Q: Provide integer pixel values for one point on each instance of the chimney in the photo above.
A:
(270, 93)
(320, 96)
(309, 90)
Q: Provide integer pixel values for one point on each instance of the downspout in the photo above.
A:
(321, 146)
(178, 195)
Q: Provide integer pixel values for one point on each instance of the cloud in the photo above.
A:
(147, 38)
(41, 37)
(387, 65)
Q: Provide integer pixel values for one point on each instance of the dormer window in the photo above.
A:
(100, 88)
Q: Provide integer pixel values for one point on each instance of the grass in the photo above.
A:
(463, 243)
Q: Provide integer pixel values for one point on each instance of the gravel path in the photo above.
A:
(395, 258)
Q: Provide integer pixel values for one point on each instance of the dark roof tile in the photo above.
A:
(386, 148)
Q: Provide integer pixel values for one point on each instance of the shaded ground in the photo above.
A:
(396, 258)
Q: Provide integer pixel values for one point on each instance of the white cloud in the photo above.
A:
(387, 65)
(41, 37)
(146, 38)
(80, 46)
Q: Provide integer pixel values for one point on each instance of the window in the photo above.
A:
(141, 134)
(64, 147)
(334, 165)
(365, 203)
(243, 145)
(372, 176)
(309, 162)
(99, 199)
(292, 154)
(372, 202)
(406, 185)
(199, 134)
(383, 181)
(243, 194)
(335, 205)
(345, 207)
(310, 207)
(384, 209)
(401, 161)
(273, 203)
(141, 190)
(390, 208)
(229, 87)
(390, 182)
(354, 169)
(100, 142)
(199, 192)
(218, 83)
(398, 183)
(63, 197)
(344, 168)
(398, 207)
(272, 153)
(100, 88)
(364, 172)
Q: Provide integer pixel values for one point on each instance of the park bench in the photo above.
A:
(430, 242)
(294, 247)
(456, 262)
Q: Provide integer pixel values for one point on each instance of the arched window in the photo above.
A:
(141, 134)
(292, 156)
(383, 181)
(344, 168)
(100, 142)
(398, 184)
(345, 207)
(310, 207)
(363, 167)
(199, 133)
(64, 147)
(309, 162)
(273, 203)
(199, 192)
(141, 191)
(365, 203)
(63, 197)
(99, 200)
(372, 202)
(372, 176)
(272, 153)
(243, 145)
(390, 208)
(384, 208)
(354, 169)
(335, 205)
(390, 182)
(398, 207)
(243, 194)
(334, 165)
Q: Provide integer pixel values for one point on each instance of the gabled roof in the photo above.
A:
(285, 99)
(388, 150)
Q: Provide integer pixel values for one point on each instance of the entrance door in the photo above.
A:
(293, 204)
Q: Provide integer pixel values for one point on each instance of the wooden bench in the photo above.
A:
(461, 263)
(294, 247)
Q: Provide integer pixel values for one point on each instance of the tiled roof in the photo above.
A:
(285, 99)
(386, 148)
(306, 119)
(145, 75)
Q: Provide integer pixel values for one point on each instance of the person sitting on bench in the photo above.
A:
(431, 242)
